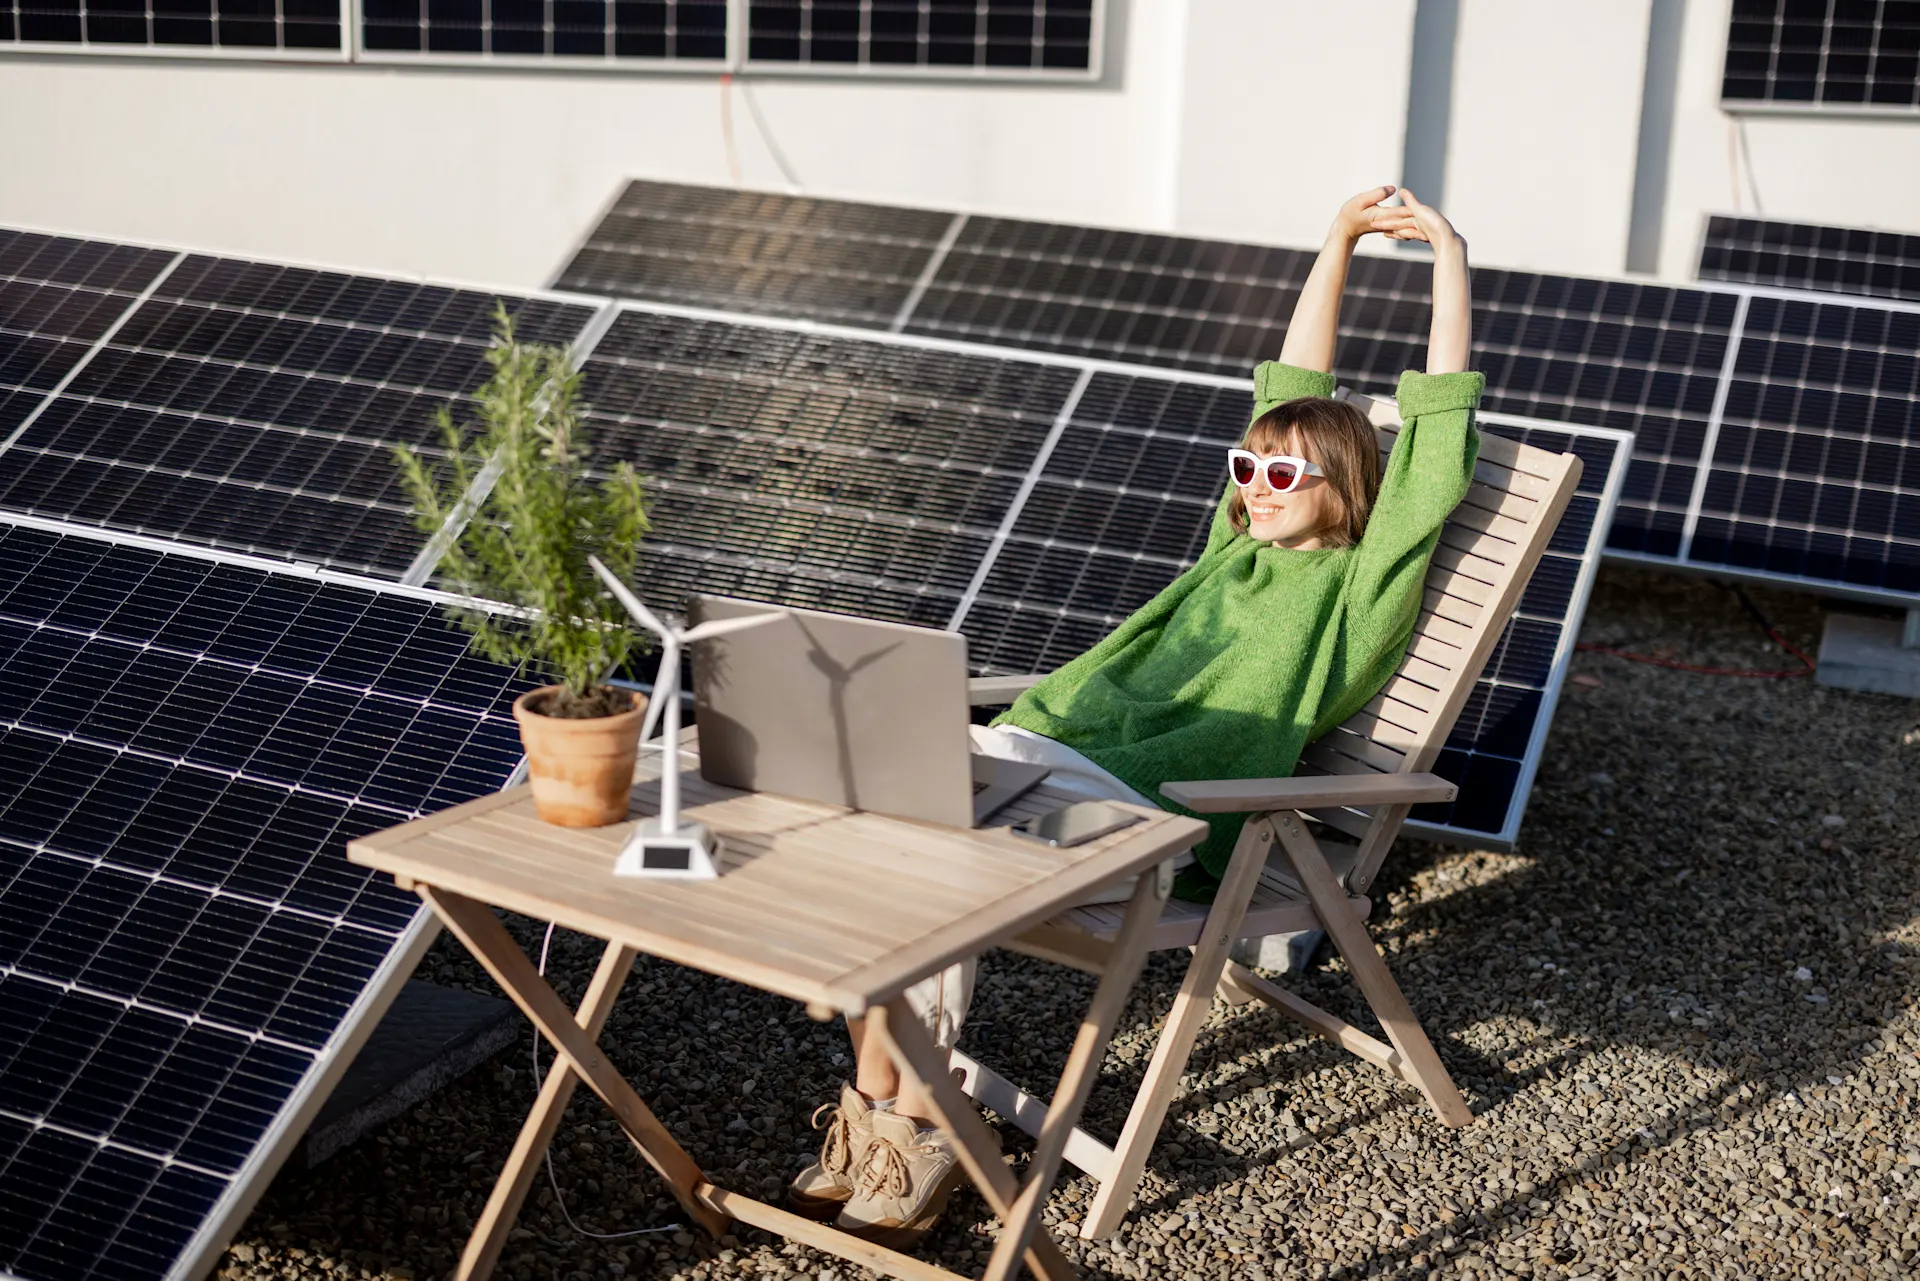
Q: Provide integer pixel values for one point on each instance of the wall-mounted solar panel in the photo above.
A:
(605, 33)
(252, 406)
(1652, 359)
(186, 957)
(982, 37)
(1795, 255)
(1853, 55)
(304, 29)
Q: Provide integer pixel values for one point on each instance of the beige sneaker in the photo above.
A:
(823, 1187)
(901, 1184)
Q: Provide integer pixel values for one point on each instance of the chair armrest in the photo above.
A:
(1240, 795)
(985, 691)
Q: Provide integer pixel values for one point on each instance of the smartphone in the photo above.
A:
(1076, 824)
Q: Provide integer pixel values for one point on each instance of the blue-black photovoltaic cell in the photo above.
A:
(1798, 255)
(253, 406)
(830, 473)
(57, 297)
(185, 748)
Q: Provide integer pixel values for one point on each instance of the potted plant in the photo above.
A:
(524, 516)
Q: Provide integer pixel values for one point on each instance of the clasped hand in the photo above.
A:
(1365, 214)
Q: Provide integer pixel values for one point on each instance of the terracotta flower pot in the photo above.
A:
(581, 770)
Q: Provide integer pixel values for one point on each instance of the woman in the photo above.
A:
(1297, 613)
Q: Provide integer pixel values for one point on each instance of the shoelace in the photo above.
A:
(885, 1173)
(836, 1148)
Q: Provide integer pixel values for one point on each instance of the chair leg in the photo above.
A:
(1190, 1007)
(1421, 1064)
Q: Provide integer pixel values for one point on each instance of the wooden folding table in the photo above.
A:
(793, 912)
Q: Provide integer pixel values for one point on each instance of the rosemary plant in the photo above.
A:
(539, 516)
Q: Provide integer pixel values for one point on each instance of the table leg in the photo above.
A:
(475, 925)
(523, 1163)
(908, 1044)
(1082, 1068)
(1018, 1205)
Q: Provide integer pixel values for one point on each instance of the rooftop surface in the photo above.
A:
(1683, 1011)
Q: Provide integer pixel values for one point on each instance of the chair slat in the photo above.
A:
(1462, 564)
(1502, 551)
(1469, 516)
(1503, 501)
(1434, 627)
(1342, 752)
(1459, 585)
(1452, 608)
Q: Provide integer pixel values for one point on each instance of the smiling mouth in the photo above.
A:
(1260, 512)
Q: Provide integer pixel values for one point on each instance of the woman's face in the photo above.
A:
(1293, 519)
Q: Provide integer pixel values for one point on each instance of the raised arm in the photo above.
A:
(1452, 335)
(1316, 316)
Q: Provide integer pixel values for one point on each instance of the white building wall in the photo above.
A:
(1288, 108)
(1544, 131)
(493, 175)
(1234, 118)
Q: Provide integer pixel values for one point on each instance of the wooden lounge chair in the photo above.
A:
(1359, 781)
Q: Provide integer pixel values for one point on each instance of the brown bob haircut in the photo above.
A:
(1333, 434)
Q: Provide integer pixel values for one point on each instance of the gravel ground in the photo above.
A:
(1683, 1013)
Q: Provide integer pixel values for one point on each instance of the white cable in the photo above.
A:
(766, 136)
(553, 1182)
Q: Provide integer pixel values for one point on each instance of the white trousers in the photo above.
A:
(941, 1001)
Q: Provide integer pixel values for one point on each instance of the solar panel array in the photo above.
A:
(673, 30)
(187, 748)
(252, 407)
(978, 35)
(1794, 255)
(250, 27)
(1652, 359)
(1830, 53)
(191, 738)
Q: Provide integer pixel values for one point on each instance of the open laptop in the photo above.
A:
(847, 710)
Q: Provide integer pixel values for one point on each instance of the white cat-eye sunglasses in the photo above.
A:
(1284, 471)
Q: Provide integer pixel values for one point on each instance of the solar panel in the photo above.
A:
(837, 473)
(1851, 54)
(1794, 255)
(1652, 359)
(253, 29)
(754, 252)
(1816, 466)
(186, 956)
(983, 36)
(581, 31)
(252, 406)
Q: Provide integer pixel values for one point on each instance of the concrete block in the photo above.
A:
(431, 1035)
(1864, 653)
(1282, 953)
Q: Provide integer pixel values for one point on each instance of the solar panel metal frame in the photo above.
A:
(1818, 104)
(1703, 467)
(1621, 442)
(349, 10)
(1092, 73)
(735, 58)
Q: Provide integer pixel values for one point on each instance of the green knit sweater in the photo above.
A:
(1257, 650)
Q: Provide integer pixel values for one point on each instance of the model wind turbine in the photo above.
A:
(664, 846)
